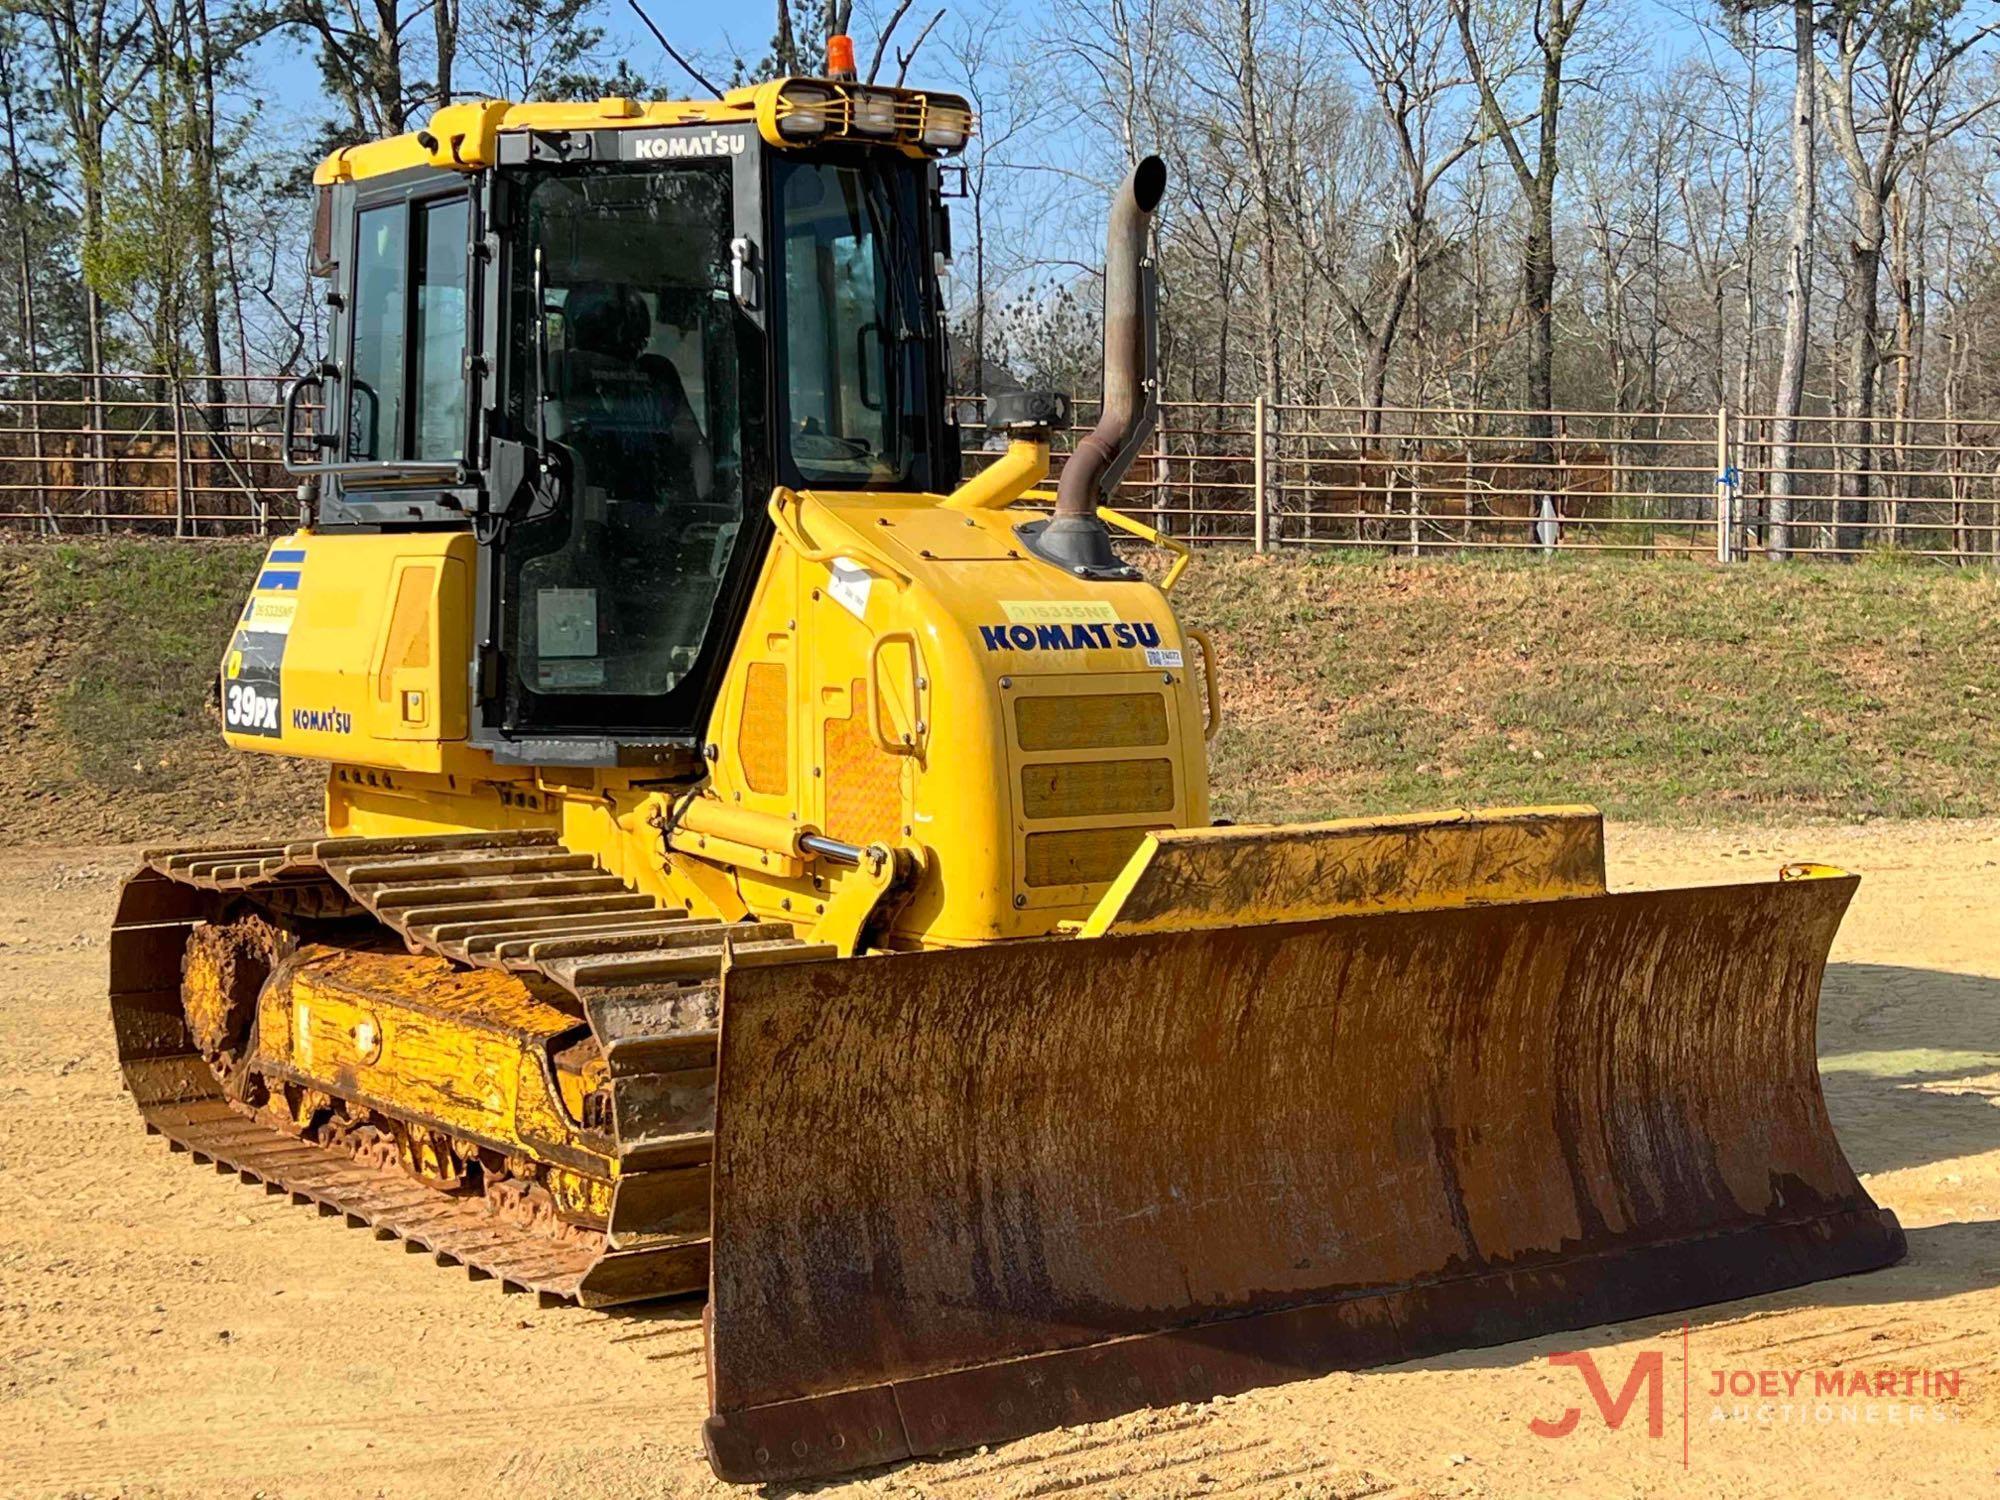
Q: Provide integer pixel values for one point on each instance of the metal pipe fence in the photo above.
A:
(195, 456)
(142, 452)
(1422, 480)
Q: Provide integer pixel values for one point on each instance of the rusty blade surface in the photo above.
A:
(964, 1195)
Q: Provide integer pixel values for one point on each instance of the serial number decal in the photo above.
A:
(268, 615)
(1059, 611)
(850, 586)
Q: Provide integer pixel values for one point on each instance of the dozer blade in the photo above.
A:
(962, 1196)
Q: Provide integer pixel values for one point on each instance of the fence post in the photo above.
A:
(1725, 489)
(1161, 475)
(1416, 502)
(172, 390)
(48, 517)
(1259, 503)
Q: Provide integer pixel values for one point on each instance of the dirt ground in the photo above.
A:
(165, 1331)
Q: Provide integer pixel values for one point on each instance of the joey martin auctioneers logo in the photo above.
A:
(1828, 1396)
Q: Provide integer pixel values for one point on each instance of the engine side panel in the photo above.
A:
(353, 648)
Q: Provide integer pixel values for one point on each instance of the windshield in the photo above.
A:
(854, 385)
(624, 368)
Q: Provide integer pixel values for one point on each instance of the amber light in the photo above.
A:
(840, 56)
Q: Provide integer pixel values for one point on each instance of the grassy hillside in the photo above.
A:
(1660, 690)
(108, 655)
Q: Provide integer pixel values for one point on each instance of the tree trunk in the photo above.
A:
(1374, 385)
(1375, 367)
(979, 368)
(1902, 282)
(207, 175)
(385, 78)
(1267, 248)
(785, 45)
(1478, 359)
(1864, 285)
(1538, 262)
(1538, 291)
(93, 362)
(1267, 229)
(1798, 285)
(445, 24)
(30, 334)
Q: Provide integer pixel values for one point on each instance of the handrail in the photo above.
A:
(1183, 554)
(288, 426)
(784, 501)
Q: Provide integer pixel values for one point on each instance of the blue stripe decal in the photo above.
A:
(278, 578)
(287, 554)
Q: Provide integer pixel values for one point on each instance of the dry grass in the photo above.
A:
(1663, 691)
(108, 655)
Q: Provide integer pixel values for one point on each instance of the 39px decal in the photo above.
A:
(250, 708)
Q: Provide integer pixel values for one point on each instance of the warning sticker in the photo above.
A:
(253, 672)
(850, 586)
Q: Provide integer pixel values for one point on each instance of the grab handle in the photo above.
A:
(876, 699)
(288, 439)
(1208, 684)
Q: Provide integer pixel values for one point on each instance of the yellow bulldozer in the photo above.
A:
(763, 861)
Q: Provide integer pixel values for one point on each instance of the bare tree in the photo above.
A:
(99, 59)
(1404, 49)
(801, 28)
(977, 51)
(1233, 76)
(1552, 29)
(1888, 66)
(364, 57)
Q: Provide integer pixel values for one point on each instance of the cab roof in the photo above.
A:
(462, 137)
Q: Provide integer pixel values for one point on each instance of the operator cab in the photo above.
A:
(598, 336)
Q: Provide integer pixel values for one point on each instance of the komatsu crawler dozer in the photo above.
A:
(760, 862)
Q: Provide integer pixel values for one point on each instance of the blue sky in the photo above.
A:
(714, 33)
(289, 88)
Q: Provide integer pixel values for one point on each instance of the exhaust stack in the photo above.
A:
(1074, 538)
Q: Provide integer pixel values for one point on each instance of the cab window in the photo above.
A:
(409, 295)
(856, 383)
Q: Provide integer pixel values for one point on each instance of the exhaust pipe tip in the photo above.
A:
(1149, 183)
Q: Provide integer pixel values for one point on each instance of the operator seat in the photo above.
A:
(625, 408)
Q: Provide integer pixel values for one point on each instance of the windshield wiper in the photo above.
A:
(886, 225)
